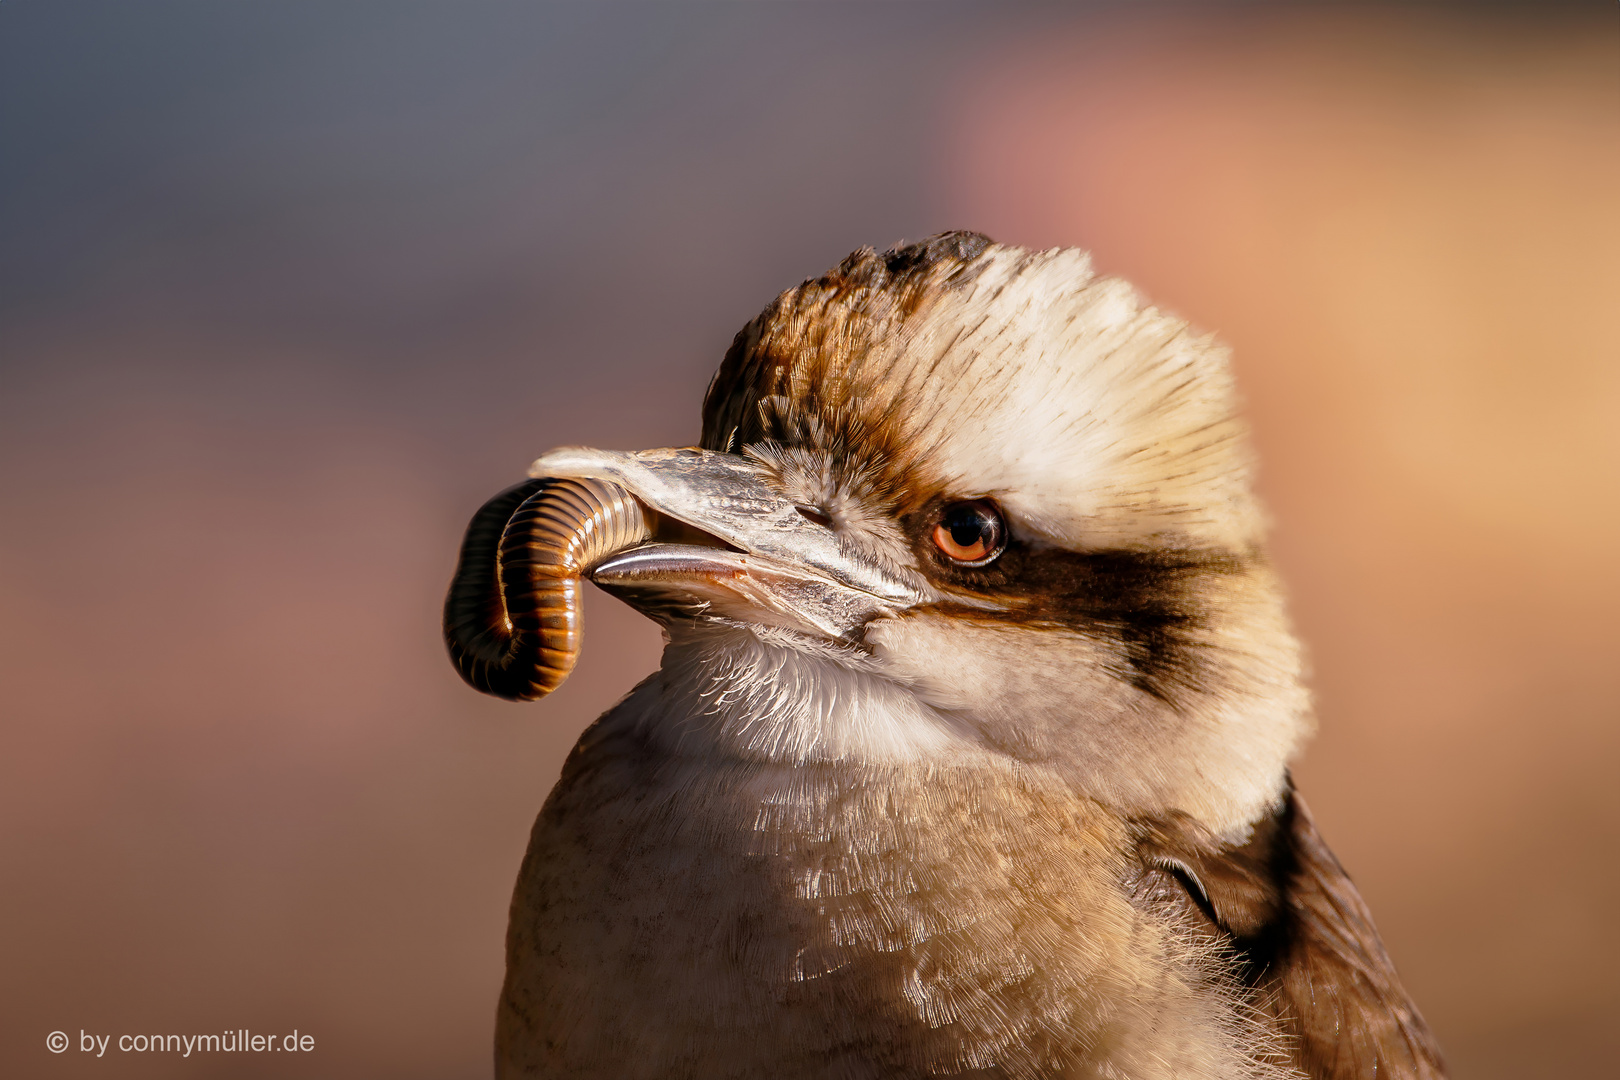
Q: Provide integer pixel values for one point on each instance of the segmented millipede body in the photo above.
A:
(512, 617)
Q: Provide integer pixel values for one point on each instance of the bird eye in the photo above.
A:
(970, 533)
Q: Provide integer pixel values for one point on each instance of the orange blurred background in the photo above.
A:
(286, 291)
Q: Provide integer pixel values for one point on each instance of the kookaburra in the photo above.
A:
(968, 754)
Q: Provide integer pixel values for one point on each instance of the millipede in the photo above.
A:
(512, 619)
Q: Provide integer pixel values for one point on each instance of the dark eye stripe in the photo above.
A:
(1155, 604)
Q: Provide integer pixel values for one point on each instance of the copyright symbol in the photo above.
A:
(56, 1042)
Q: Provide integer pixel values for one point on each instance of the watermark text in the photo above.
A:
(235, 1041)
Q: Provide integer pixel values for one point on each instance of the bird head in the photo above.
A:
(986, 503)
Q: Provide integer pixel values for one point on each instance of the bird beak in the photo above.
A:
(746, 554)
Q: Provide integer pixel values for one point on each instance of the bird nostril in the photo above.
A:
(815, 514)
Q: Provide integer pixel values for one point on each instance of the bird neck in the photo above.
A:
(755, 694)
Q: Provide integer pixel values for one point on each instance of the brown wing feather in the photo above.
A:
(1305, 942)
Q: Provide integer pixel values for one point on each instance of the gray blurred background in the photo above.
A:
(287, 290)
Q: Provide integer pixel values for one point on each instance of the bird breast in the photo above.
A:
(840, 917)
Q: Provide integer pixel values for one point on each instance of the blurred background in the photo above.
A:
(286, 291)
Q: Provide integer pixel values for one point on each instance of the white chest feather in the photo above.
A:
(741, 695)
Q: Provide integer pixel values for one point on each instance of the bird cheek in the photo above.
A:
(960, 663)
(1030, 691)
(914, 652)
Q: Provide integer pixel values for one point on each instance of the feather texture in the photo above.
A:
(1302, 939)
(679, 916)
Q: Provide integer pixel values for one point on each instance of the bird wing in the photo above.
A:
(1303, 939)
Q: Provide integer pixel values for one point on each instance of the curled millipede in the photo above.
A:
(512, 617)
